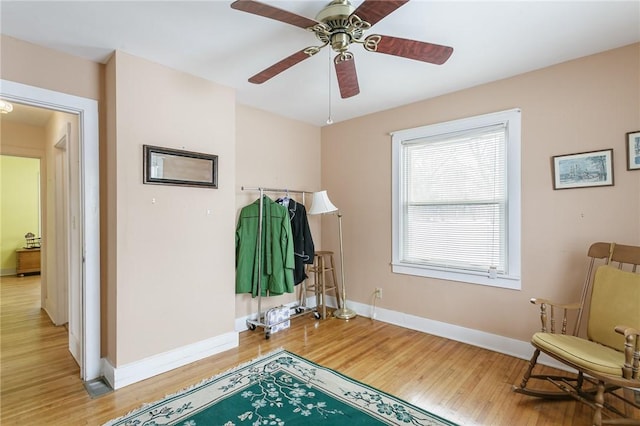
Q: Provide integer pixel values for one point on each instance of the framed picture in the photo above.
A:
(166, 166)
(583, 170)
(633, 150)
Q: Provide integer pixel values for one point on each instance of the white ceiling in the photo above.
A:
(492, 40)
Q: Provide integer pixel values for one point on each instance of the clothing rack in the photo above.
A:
(301, 308)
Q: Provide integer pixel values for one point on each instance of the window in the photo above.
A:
(456, 200)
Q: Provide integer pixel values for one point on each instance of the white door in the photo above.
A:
(68, 239)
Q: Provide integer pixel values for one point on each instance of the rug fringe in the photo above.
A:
(201, 383)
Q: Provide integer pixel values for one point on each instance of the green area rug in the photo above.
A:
(280, 389)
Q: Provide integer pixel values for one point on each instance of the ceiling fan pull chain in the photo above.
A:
(330, 118)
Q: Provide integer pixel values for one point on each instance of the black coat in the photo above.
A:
(303, 248)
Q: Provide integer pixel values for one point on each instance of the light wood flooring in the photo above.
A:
(40, 382)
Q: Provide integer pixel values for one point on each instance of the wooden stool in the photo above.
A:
(324, 280)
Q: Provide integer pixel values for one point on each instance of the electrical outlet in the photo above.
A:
(378, 293)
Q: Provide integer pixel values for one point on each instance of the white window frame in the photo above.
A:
(511, 280)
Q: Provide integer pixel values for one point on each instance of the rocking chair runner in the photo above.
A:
(609, 358)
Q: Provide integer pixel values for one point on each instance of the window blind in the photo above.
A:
(455, 200)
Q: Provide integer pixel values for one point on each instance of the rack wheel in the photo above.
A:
(299, 310)
(251, 326)
(267, 334)
(316, 315)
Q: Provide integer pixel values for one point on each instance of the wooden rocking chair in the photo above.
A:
(607, 361)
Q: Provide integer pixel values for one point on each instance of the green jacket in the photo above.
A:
(276, 250)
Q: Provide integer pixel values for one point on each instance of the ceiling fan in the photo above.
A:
(340, 24)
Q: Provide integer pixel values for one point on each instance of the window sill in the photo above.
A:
(470, 277)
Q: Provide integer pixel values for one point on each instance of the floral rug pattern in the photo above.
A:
(280, 389)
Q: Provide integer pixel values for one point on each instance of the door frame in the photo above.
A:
(62, 228)
(87, 111)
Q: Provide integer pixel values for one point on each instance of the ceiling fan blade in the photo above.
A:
(283, 65)
(272, 12)
(347, 76)
(373, 11)
(412, 49)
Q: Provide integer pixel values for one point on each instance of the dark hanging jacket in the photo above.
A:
(303, 247)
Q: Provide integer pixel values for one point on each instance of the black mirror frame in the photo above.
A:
(149, 150)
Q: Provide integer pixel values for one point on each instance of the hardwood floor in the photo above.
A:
(40, 382)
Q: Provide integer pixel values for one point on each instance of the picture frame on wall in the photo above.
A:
(583, 170)
(633, 150)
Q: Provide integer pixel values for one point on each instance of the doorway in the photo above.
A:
(87, 218)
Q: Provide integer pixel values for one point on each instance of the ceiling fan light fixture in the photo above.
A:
(5, 107)
(336, 10)
(340, 41)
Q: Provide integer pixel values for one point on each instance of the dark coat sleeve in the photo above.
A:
(309, 248)
(302, 240)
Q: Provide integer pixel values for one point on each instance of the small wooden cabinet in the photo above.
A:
(28, 261)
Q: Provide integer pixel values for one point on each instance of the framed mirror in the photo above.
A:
(166, 166)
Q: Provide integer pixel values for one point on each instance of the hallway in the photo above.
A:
(35, 363)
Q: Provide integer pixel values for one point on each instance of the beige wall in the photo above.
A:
(21, 139)
(583, 105)
(274, 152)
(173, 245)
(108, 217)
(34, 65)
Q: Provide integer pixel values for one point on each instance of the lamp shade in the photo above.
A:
(321, 203)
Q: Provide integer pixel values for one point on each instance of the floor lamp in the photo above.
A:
(322, 205)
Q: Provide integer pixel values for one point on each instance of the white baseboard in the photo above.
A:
(6, 272)
(161, 363)
(493, 342)
(124, 375)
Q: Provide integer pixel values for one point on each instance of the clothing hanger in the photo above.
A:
(285, 200)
